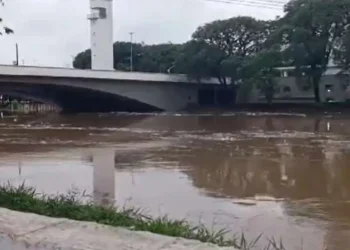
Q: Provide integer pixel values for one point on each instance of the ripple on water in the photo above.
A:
(212, 137)
(288, 134)
(247, 135)
(193, 167)
(264, 114)
(50, 127)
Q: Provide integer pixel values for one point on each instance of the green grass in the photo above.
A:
(26, 199)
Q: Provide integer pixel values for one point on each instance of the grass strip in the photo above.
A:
(70, 206)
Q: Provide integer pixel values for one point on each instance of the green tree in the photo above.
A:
(161, 58)
(260, 71)
(83, 60)
(146, 58)
(121, 51)
(342, 52)
(218, 48)
(310, 32)
(200, 60)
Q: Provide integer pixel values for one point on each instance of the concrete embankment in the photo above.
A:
(22, 231)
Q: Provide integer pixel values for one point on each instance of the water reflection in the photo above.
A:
(298, 170)
(104, 176)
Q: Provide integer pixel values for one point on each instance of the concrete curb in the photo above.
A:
(23, 231)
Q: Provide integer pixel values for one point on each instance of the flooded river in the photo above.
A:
(286, 176)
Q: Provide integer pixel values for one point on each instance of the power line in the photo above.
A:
(263, 2)
(249, 3)
(279, 2)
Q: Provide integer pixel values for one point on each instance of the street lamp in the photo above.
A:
(131, 51)
(173, 66)
(16, 63)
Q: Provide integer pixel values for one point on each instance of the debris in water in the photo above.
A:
(245, 202)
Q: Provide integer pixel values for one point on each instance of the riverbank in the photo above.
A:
(283, 108)
(32, 229)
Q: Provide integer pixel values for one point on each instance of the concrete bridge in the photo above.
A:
(101, 91)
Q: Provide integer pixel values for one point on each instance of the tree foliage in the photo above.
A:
(146, 58)
(83, 60)
(243, 51)
(199, 60)
(260, 71)
(342, 51)
(161, 58)
(310, 32)
(239, 36)
(221, 46)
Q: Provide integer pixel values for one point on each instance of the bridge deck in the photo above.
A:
(97, 74)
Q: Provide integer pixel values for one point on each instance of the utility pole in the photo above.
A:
(17, 63)
(131, 51)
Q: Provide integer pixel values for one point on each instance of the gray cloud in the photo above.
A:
(49, 32)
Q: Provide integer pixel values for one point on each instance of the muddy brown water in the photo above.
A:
(284, 175)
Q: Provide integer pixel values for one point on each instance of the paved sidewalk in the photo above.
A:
(22, 231)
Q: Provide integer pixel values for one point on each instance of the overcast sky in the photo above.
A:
(50, 32)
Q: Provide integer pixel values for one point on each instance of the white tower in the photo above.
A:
(101, 18)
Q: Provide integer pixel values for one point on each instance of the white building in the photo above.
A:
(334, 87)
